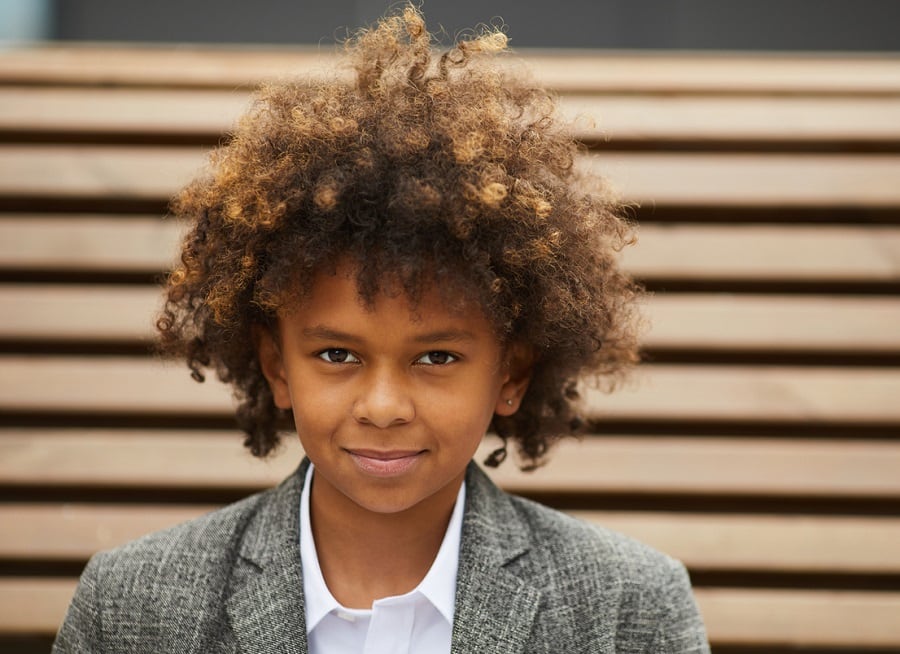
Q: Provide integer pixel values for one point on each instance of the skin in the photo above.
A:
(390, 404)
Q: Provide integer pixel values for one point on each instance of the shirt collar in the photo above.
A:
(438, 586)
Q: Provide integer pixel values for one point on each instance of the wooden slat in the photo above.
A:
(31, 606)
(73, 532)
(751, 393)
(123, 65)
(719, 72)
(752, 180)
(147, 173)
(753, 543)
(90, 243)
(120, 384)
(111, 314)
(781, 323)
(94, 243)
(661, 393)
(773, 618)
(660, 119)
(708, 542)
(798, 618)
(766, 252)
(665, 72)
(715, 467)
(652, 118)
(725, 179)
(139, 111)
(139, 459)
(115, 314)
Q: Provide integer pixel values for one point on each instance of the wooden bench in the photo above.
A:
(760, 443)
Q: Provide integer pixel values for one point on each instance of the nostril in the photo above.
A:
(384, 405)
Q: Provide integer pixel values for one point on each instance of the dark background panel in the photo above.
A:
(848, 25)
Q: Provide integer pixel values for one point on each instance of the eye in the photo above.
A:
(436, 358)
(337, 355)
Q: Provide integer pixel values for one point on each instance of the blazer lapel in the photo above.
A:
(265, 605)
(495, 609)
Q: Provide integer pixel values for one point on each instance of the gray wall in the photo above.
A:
(850, 25)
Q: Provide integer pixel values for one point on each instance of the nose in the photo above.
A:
(384, 399)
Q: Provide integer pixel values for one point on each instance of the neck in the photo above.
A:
(365, 555)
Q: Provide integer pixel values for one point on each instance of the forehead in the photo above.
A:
(335, 292)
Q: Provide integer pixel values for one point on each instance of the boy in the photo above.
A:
(395, 267)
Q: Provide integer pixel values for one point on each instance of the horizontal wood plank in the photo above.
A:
(665, 393)
(659, 119)
(656, 118)
(765, 543)
(765, 618)
(79, 313)
(708, 542)
(856, 621)
(771, 322)
(679, 465)
(154, 459)
(754, 393)
(90, 243)
(714, 467)
(146, 173)
(701, 321)
(34, 606)
(74, 532)
(752, 180)
(124, 385)
(75, 110)
(595, 72)
(718, 72)
(720, 180)
(819, 253)
(816, 253)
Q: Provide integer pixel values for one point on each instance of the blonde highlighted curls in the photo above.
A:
(432, 170)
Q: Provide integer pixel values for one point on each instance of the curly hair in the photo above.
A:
(427, 168)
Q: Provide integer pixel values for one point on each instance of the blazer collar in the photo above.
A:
(495, 608)
(494, 611)
(266, 605)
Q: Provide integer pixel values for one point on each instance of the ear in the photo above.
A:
(272, 365)
(519, 365)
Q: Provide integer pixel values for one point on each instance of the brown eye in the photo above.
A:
(436, 358)
(337, 355)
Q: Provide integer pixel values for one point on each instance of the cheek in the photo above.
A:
(466, 410)
(317, 409)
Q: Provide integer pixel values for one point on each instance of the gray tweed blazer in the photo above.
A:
(530, 580)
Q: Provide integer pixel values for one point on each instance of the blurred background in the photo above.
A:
(792, 25)
(758, 144)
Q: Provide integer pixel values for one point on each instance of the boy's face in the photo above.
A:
(390, 405)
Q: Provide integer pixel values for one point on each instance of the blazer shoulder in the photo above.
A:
(210, 536)
(129, 594)
(565, 538)
(169, 589)
(618, 584)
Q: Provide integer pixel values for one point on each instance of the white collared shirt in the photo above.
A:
(419, 621)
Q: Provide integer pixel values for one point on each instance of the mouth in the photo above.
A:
(382, 463)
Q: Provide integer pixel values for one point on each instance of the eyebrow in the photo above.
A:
(443, 336)
(324, 333)
(328, 334)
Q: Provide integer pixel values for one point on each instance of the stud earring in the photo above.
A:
(509, 402)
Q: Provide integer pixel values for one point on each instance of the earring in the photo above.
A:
(509, 402)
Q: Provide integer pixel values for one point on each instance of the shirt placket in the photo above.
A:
(390, 629)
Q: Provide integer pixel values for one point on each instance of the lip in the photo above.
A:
(385, 463)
